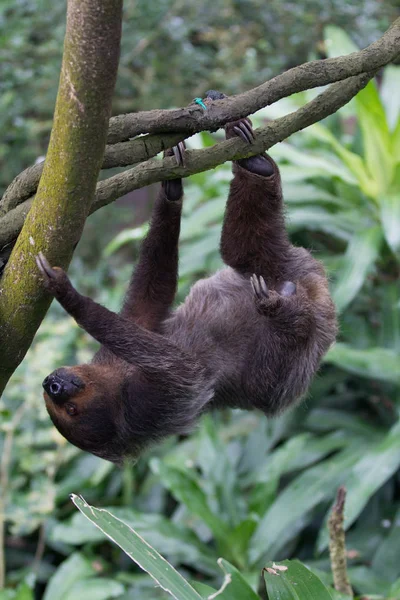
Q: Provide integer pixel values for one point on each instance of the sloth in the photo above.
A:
(251, 336)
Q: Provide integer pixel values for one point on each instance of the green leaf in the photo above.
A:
(186, 490)
(317, 218)
(218, 470)
(313, 164)
(292, 508)
(367, 475)
(208, 213)
(394, 591)
(125, 237)
(98, 588)
(360, 256)
(352, 161)
(338, 42)
(307, 193)
(296, 582)
(390, 212)
(71, 570)
(376, 138)
(234, 586)
(390, 94)
(24, 592)
(138, 550)
(386, 559)
(168, 537)
(375, 363)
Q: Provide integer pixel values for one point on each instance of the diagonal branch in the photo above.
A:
(193, 119)
(151, 171)
(122, 154)
(309, 75)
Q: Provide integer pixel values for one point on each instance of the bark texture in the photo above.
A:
(62, 203)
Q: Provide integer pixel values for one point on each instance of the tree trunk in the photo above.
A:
(66, 190)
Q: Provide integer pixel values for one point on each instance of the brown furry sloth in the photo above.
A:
(250, 336)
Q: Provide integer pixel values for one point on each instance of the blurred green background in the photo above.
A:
(240, 487)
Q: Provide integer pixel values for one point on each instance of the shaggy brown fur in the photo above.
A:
(250, 336)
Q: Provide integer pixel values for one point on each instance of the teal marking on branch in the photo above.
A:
(200, 102)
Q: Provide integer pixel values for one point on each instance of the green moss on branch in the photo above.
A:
(59, 210)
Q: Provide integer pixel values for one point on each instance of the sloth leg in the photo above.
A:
(254, 239)
(153, 285)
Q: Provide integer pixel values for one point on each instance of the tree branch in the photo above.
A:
(196, 161)
(121, 154)
(309, 75)
(66, 190)
(193, 119)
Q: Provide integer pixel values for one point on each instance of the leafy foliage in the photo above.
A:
(240, 487)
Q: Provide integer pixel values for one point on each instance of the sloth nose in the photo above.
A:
(62, 385)
(53, 385)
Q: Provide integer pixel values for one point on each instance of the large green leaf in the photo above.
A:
(317, 218)
(320, 166)
(75, 568)
(376, 138)
(386, 560)
(168, 537)
(94, 588)
(290, 580)
(293, 507)
(390, 95)
(375, 363)
(390, 211)
(234, 586)
(366, 476)
(360, 256)
(338, 42)
(138, 550)
(186, 489)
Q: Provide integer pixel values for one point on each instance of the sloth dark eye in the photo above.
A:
(71, 409)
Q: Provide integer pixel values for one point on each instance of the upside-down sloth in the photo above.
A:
(250, 336)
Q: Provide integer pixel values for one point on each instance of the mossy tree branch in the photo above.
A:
(197, 161)
(62, 203)
(193, 119)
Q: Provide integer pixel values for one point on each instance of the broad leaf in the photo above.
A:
(374, 363)
(367, 475)
(390, 212)
(138, 550)
(360, 256)
(386, 560)
(290, 580)
(292, 508)
(234, 586)
(186, 489)
(73, 569)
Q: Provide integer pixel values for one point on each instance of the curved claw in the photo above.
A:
(179, 153)
(259, 286)
(243, 130)
(44, 266)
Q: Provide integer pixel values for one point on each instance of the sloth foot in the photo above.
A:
(260, 288)
(268, 301)
(260, 165)
(54, 278)
(173, 187)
